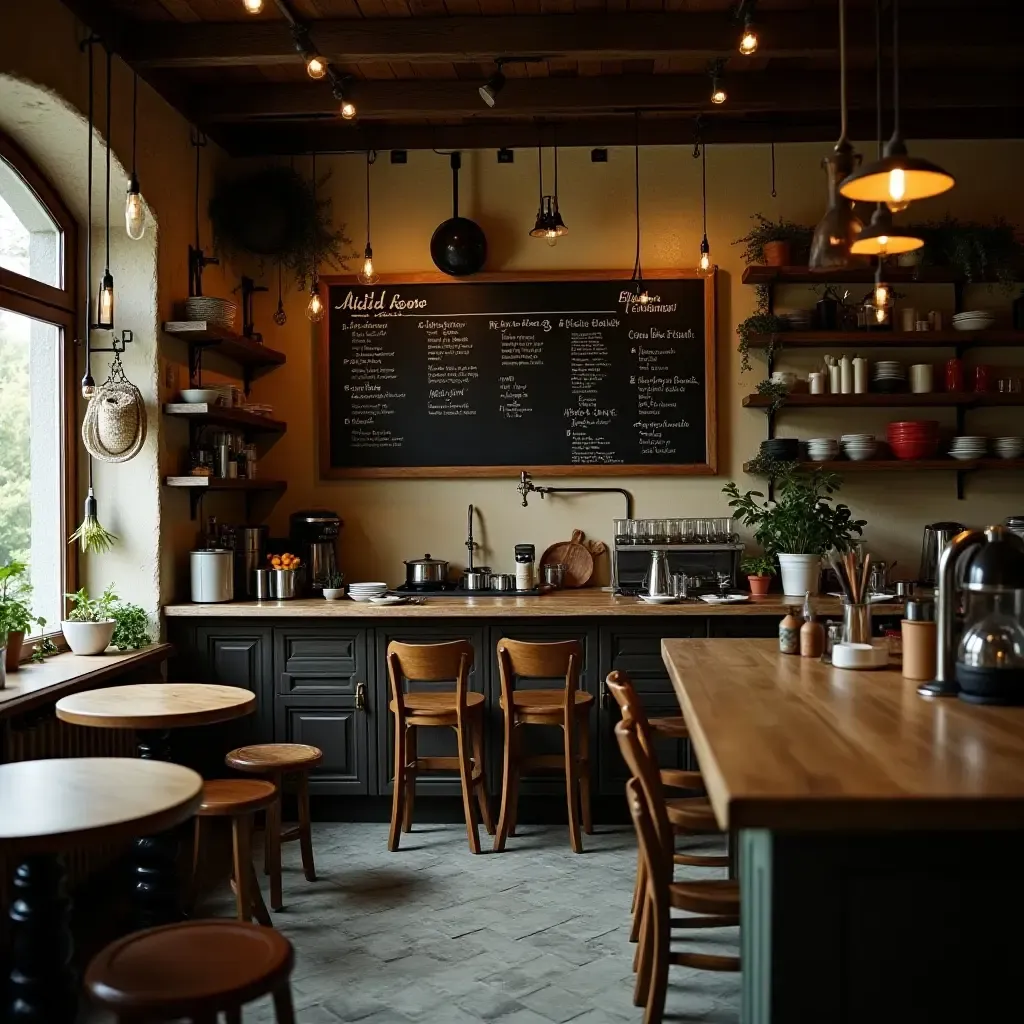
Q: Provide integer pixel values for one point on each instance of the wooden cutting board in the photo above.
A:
(578, 561)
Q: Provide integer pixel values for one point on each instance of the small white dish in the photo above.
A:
(388, 599)
(725, 598)
(200, 396)
(658, 598)
(859, 656)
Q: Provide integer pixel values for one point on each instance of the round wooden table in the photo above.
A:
(47, 807)
(153, 710)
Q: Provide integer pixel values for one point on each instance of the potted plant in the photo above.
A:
(16, 617)
(977, 251)
(757, 323)
(775, 243)
(759, 571)
(799, 526)
(131, 627)
(334, 586)
(90, 624)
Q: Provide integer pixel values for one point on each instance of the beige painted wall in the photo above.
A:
(388, 521)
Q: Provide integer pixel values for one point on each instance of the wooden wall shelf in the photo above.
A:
(860, 275)
(890, 339)
(224, 416)
(199, 486)
(905, 400)
(896, 465)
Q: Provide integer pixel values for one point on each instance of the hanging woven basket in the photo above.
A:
(114, 429)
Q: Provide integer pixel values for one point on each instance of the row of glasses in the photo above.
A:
(675, 531)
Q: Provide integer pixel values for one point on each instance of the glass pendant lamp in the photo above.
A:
(134, 208)
(367, 274)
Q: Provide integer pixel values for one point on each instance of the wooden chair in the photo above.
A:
(239, 800)
(568, 707)
(460, 709)
(714, 903)
(278, 761)
(192, 971)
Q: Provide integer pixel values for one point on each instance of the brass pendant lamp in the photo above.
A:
(897, 178)
(837, 230)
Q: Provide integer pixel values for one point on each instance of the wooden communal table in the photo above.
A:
(881, 836)
(47, 807)
(153, 710)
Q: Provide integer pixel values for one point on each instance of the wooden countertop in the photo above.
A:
(788, 743)
(562, 603)
(34, 685)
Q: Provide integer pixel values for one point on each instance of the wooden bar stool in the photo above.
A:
(460, 709)
(192, 971)
(568, 707)
(279, 761)
(239, 800)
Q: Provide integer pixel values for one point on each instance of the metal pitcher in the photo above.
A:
(657, 582)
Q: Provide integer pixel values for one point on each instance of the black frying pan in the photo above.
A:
(458, 246)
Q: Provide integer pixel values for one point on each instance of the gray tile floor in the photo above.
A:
(433, 934)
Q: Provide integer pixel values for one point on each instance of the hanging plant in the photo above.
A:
(980, 252)
(758, 323)
(776, 391)
(277, 216)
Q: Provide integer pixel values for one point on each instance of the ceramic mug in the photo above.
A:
(922, 378)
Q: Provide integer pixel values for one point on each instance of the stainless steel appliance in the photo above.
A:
(701, 563)
(658, 582)
(936, 537)
(250, 555)
(212, 576)
(314, 536)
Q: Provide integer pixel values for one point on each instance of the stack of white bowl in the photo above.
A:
(1009, 447)
(822, 449)
(889, 375)
(968, 447)
(973, 320)
(859, 447)
(366, 591)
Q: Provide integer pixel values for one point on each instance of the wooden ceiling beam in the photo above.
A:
(338, 137)
(539, 97)
(572, 36)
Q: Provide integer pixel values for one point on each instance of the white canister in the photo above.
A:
(922, 378)
(860, 376)
(816, 381)
(213, 576)
(908, 318)
(846, 375)
(834, 380)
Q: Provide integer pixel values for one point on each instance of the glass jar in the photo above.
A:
(621, 532)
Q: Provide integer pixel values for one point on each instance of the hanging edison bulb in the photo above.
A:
(749, 40)
(316, 67)
(105, 303)
(367, 274)
(134, 211)
(315, 308)
(88, 385)
(705, 254)
(252, 6)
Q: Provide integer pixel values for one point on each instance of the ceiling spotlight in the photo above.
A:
(252, 6)
(316, 66)
(490, 89)
(347, 108)
(748, 41)
(718, 94)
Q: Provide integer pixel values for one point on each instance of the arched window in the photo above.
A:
(37, 391)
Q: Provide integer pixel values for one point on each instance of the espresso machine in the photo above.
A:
(313, 536)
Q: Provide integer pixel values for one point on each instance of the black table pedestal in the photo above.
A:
(155, 858)
(42, 988)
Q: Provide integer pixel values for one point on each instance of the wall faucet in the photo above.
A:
(526, 485)
(469, 537)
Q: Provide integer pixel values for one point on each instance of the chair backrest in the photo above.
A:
(644, 769)
(658, 865)
(621, 688)
(429, 663)
(518, 658)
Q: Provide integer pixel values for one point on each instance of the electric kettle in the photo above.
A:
(936, 537)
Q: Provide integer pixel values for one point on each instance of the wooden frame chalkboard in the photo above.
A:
(707, 466)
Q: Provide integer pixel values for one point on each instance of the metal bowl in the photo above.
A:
(503, 581)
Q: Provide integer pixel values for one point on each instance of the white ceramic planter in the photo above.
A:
(333, 593)
(88, 637)
(800, 574)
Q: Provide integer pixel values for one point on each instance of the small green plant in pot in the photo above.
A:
(759, 571)
(799, 526)
(131, 630)
(90, 624)
(334, 586)
(16, 615)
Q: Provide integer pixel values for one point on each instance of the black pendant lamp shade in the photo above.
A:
(549, 223)
(458, 246)
(836, 232)
(896, 178)
(882, 237)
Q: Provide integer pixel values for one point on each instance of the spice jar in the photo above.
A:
(955, 375)
(789, 634)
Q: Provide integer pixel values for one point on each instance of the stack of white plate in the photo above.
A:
(1009, 447)
(888, 374)
(966, 447)
(366, 591)
(973, 320)
(212, 310)
(822, 449)
(859, 447)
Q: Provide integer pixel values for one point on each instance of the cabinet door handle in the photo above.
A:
(604, 694)
(360, 696)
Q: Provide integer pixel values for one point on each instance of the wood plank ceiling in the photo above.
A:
(413, 68)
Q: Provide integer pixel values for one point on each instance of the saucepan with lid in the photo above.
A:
(426, 571)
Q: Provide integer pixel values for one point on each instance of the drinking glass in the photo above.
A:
(674, 528)
(621, 531)
(635, 531)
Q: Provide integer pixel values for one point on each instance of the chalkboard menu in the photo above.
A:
(569, 376)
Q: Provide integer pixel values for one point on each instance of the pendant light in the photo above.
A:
(134, 210)
(897, 179)
(748, 40)
(315, 308)
(881, 237)
(367, 275)
(105, 297)
(715, 70)
(839, 227)
(881, 296)
(705, 249)
(640, 293)
(252, 6)
(88, 383)
(280, 316)
(549, 224)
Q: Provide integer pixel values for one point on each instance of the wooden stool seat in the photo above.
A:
(461, 709)
(276, 761)
(193, 970)
(278, 758)
(692, 813)
(670, 725)
(228, 797)
(718, 896)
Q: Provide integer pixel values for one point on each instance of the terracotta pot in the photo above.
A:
(13, 658)
(759, 585)
(776, 254)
